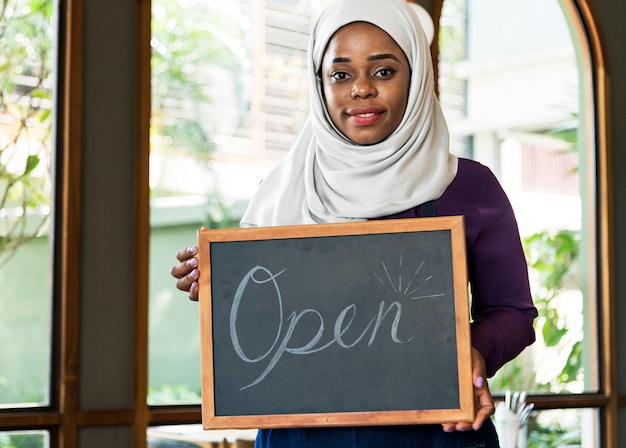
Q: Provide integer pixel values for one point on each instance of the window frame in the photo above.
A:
(596, 81)
(64, 418)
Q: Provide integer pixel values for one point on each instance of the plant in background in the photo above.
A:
(33, 440)
(26, 68)
(552, 258)
(553, 435)
(191, 60)
(178, 394)
(553, 261)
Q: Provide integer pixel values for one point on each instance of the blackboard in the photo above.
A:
(358, 323)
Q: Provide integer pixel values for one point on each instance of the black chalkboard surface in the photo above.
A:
(335, 324)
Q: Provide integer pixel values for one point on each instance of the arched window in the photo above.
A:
(518, 83)
(520, 96)
(97, 345)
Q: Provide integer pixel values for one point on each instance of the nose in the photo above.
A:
(363, 88)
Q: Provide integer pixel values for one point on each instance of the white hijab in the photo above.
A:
(327, 178)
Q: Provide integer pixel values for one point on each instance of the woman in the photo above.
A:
(376, 147)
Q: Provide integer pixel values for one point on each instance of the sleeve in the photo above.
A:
(502, 307)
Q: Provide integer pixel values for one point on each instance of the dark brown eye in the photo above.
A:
(385, 72)
(339, 76)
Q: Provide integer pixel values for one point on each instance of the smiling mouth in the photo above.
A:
(365, 118)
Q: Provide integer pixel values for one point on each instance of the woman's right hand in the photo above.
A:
(186, 271)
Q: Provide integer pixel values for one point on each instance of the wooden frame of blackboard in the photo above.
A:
(240, 418)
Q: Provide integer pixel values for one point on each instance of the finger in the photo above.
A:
(184, 268)
(193, 292)
(485, 404)
(482, 415)
(449, 427)
(479, 420)
(460, 426)
(186, 253)
(185, 283)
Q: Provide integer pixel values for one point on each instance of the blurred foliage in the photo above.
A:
(552, 256)
(553, 434)
(553, 261)
(26, 82)
(27, 440)
(553, 437)
(169, 394)
(184, 52)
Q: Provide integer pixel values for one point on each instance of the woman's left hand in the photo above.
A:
(482, 396)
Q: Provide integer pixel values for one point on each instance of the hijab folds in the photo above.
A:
(327, 178)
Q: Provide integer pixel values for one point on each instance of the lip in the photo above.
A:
(365, 116)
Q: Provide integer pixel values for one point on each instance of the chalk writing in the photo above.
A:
(282, 342)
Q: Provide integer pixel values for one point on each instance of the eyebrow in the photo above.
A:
(375, 57)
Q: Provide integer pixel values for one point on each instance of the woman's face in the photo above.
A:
(365, 80)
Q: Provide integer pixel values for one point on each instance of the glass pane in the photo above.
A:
(229, 94)
(26, 111)
(553, 428)
(517, 105)
(190, 436)
(25, 439)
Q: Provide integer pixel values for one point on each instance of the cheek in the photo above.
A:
(329, 96)
(401, 99)
(330, 101)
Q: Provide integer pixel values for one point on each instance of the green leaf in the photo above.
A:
(552, 334)
(31, 163)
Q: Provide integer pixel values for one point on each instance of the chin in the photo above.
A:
(367, 141)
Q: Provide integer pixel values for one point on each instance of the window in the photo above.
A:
(84, 286)
(522, 107)
(27, 75)
(26, 113)
(229, 94)
(534, 136)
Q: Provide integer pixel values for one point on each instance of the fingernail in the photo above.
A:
(480, 382)
(193, 262)
(192, 249)
(194, 274)
(194, 286)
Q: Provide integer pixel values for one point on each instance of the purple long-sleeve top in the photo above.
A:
(502, 307)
